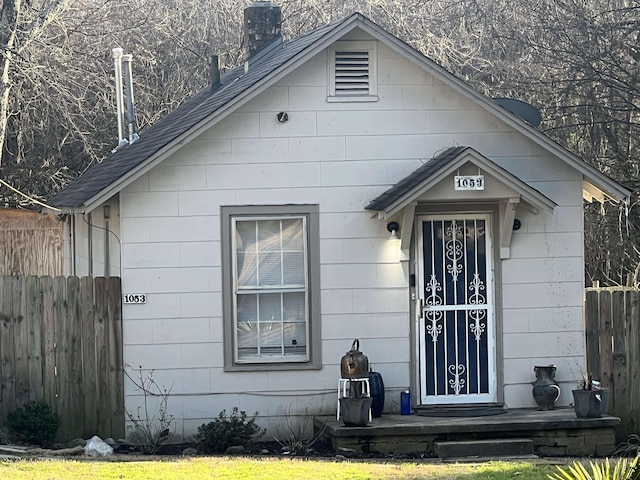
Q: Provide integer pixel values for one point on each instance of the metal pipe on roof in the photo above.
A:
(117, 64)
(215, 71)
(128, 96)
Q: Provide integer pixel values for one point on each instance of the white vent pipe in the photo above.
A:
(117, 61)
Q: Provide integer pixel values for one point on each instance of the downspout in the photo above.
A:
(72, 241)
(90, 239)
(107, 257)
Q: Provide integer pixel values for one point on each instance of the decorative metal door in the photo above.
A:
(456, 314)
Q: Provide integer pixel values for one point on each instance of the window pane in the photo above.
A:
(294, 307)
(269, 235)
(295, 338)
(269, 269)
(247, 308)
(270, 338)
(246, 254)
(292, 235)
(270, 307)
(248, 336)
(247, 274)
(293, 268)
(246, 236)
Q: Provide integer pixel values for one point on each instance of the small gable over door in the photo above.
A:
(460, 174)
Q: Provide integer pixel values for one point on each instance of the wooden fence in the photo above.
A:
(613, 351)
(61, 342)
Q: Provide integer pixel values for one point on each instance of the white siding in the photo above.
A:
(340, 156)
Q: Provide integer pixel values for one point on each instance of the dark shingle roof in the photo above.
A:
(187, 116)
(414, 179)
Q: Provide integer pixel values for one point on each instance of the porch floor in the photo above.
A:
(554, 433)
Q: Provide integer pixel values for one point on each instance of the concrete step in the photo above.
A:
(510, 447)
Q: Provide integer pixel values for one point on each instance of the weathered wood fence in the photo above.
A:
(613, 351)
(61, 342)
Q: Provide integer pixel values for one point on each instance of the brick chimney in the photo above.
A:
(262, 25)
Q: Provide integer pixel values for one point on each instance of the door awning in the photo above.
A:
(434, 182)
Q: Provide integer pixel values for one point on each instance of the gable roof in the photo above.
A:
(238, 86)
(418, 182)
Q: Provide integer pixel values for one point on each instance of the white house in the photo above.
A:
(340, 186)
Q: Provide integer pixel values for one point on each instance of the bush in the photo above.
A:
(34, 423)
(228, 431)
(150, 429)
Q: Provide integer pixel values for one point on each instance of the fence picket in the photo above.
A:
(89, 372)
(592, 320)
(605, 333)
(34, 313)
(74, 339)
(49, 346)
(20, 342)
(7, 350)
(62, 405)
(115, 356)
(49, 342)
(102, 362)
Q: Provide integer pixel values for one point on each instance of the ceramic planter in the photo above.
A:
(590, 403)
(355, 411)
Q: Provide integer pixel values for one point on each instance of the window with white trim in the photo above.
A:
(270, 303)
(353, 71)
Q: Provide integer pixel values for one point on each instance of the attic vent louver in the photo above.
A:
(352, 73)
(352, 70)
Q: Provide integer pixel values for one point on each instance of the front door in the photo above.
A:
(456, 334)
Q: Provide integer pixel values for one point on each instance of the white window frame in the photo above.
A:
(353, 46)
(229, 218)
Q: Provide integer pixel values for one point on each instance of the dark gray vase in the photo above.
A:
(545, 389)
(355, 411)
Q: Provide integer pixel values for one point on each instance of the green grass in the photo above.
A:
(267, 468)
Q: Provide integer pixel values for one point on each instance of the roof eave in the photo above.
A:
(530, 195)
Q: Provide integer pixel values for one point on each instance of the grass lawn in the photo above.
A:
(267, 468)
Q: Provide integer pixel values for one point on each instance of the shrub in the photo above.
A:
(151, 428)
(297, 440)
(228, 431)
(35, 423)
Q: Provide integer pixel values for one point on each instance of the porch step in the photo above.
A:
(510, 447)
(463, 410)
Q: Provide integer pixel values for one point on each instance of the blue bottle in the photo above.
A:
(405, 402)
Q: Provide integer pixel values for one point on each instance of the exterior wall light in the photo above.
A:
(282, 117)
(392, 228)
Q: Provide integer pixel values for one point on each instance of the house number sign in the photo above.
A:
(468, 182)
(135, 298)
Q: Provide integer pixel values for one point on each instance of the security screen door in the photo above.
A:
(456, 310)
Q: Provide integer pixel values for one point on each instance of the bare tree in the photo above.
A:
(576, 60)
(20, 24)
